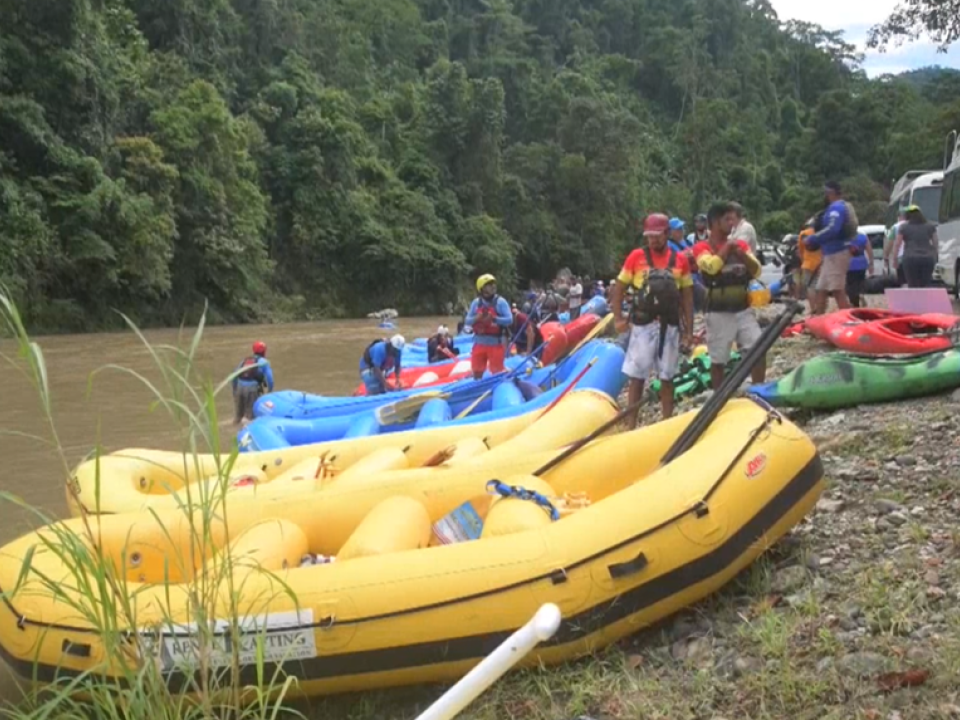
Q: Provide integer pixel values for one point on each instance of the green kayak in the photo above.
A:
(839, 380)
(692, 378)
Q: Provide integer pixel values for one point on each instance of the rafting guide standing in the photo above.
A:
(662, 305)
(490, 317)
(727, 267)
(256, 376)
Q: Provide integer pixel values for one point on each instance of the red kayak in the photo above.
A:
(563, 337)
(901, 335)
(826, 326)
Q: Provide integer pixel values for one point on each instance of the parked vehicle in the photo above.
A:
(948, 231)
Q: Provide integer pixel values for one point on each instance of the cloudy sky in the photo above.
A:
(855, 17)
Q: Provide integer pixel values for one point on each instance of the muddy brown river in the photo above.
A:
(320, 357)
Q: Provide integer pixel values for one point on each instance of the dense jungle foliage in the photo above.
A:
(306, 158)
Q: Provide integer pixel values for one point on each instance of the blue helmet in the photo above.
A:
(676, 224)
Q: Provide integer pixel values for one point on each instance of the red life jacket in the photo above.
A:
(486, 322)
(251, 369)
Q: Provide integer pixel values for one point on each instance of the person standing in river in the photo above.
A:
(921, 248)
(254, 377)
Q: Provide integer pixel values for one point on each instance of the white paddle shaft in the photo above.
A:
(541, 627)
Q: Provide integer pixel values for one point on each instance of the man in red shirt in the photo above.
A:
(727, 267)
(662, 305)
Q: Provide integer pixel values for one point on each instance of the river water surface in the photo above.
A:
(319, 357)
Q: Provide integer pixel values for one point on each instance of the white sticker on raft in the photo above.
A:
(462, 366)
(426, 379)
(284, 636)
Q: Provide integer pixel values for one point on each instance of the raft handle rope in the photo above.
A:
(504, 490)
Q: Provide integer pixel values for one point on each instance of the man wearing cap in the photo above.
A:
(833, 239)
(661, 312)
(490, 317)
(676, 240)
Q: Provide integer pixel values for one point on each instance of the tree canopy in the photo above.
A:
(310, 158)
(911, 19)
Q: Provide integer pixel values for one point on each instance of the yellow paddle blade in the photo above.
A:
(406, 409)
(470, 408)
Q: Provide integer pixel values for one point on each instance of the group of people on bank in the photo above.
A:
(655, 295)
(834, 258)
(659, 318)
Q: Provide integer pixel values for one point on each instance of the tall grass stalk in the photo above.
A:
(93, 591)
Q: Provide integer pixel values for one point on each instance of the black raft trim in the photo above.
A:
(475, 647)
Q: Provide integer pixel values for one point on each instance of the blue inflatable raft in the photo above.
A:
(510, 396)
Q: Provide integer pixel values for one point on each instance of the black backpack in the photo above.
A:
(366, 351)
(659, 298)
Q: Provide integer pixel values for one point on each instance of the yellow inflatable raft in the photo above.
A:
(137, 479)
(391, 610)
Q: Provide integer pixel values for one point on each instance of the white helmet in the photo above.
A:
(398, 342)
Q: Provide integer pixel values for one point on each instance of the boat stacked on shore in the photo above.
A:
(615, 538)
(402, 551)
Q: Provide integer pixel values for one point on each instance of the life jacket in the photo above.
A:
(486, 322)
(727, 290)
(252, 372)
(659, 298)
(435, 347)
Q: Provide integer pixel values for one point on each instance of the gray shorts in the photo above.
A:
(723, 329)
(243, 401)
(643, 353)
(833, 272)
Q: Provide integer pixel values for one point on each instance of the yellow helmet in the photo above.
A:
(483, 280)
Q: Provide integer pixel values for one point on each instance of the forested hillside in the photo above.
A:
(310, 158)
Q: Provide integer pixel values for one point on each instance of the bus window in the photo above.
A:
(945, 197)
(928, 200)
(953, 206)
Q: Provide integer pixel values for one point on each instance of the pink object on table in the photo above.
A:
(919, 300)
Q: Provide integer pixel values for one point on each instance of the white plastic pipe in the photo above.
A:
(541, 627)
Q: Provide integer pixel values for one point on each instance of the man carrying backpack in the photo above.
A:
(248, 385)
(662, 309)
(840, 228)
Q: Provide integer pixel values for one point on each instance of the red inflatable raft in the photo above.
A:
(900, 335)
(562, 338)
(826, 326)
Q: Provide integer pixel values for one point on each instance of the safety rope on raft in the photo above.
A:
(501, 488)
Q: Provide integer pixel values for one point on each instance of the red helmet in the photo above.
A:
(656, 223)
(259, 348)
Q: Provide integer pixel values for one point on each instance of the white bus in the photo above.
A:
(917, 187)
(948, 231)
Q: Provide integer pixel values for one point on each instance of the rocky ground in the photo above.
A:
(855, 614)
